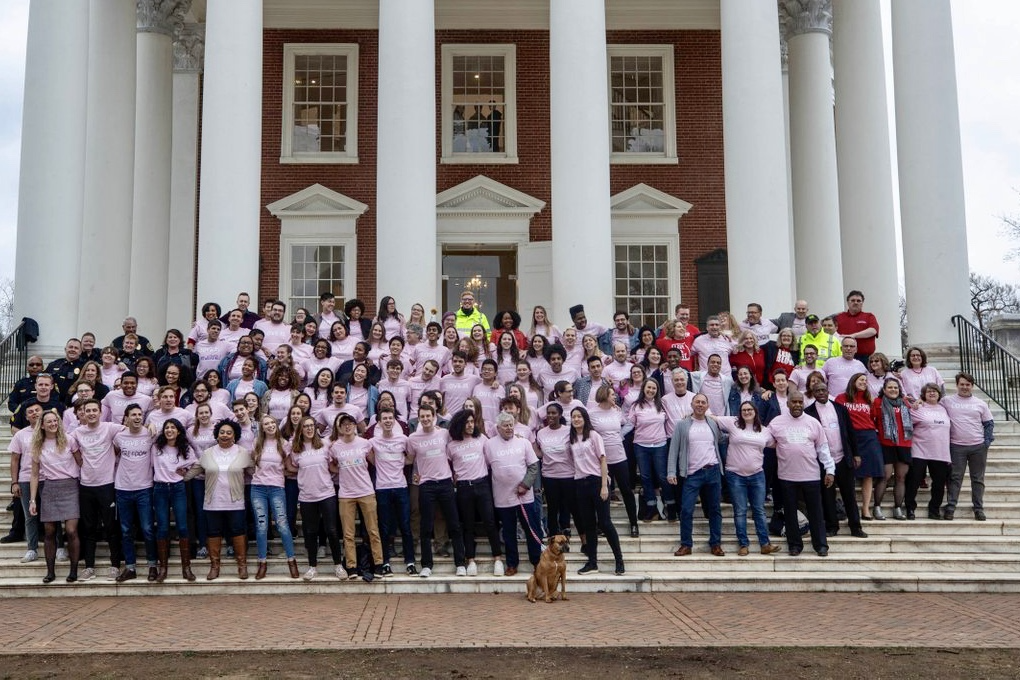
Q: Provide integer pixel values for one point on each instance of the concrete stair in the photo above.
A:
(906, 556)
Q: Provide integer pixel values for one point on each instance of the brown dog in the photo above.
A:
(551, 571)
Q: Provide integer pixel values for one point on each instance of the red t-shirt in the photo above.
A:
(860, 412)
(686, 354)
(847, 324)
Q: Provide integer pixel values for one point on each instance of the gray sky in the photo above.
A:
(987, 59)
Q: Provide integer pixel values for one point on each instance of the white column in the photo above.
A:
(150, 236)
(932, 213)
(230, 195)
(813, 155)
(754, 152)
(406, 161)
(866, 212)
(105, 260)
(784, 54)
(189, 47)
(52, 170)
(582, 231)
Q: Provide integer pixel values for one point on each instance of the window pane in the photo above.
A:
(637, 99)
(642, 282)
(315, 269)
(478, 105)
(320, 101)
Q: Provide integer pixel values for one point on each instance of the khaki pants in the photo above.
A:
(348, 512)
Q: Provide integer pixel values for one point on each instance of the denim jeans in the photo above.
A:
(266, 501)
(652, 461)
(744, 491)
(707, 483)
(395, 513)
(31, 521)
(225, 523)
(132, 504)
(166, 495)
(509, 518)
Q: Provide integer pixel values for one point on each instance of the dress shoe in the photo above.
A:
(12, 538)
(511, 571)
(796, 551)
(911, 515)
(934, 515)
(823, 552)
(898, 513)
(979, 515)
(718, 551)
(858, 533)
(947, 515)
(634, 533)
(831, 532)
(682, 551)
(770, 548)
(743, 551)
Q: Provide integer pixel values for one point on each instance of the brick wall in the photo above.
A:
(697, 179)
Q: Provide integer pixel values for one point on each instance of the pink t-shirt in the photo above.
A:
(712, 388)
(276, 334)
(677, 408)
(509, 459)
(315, 482)
(352, 459)
(456, 389)
(58, 463)
(343, 350)
(705, 346)
(587, 455)
(269, 471)
(609, 423)
(390, 453)
(318, 402)
(165, 462)
(115, 403)
(548, 377)
(312, 366)
(700, 447)
(326, 416)
(279, 403)
(98, 458)
(401, 391)
(210, 354)
(326, 321)
(913, 380)
(467, 458)
(649, 425)
(506, 371)
(616, 371)
(219, 411)
(111, 375)
(931, 433)
(419, 386)
(800, 446)
(21, 443)
(555, 448)
(424, 352)
(158, 417)
(799, 376)
(231, 337)
(838, 372)
(219, 498)
(429, 452)
(745, 454)
(489, 396)
(965, 418)
(830, 425)
(134, 467)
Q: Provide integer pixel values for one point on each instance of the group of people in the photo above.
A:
(248, 421)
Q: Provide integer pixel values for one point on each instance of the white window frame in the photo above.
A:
(509, 53)
(292, 50)
(349, 243)
(672, 243)
(669, 153)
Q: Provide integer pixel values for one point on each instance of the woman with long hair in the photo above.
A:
(218, 394)
(917, 374)
(591, 477)
(607, 419)
(319, 390)
(268, 497)
(508, 322)
(484, 349)
(646, 340)
(389, 317)
(541, 325)
(145, 368)
(378, 346)
(417, 315)
(507, 356)
(341, 343)
(362, 393)
(533, 392)
(895, 432)
(315, 467)
(200, 437)
(92, 374)
(651, 447)
(283, 389)
(171, 458)
(56, 459)
(858, 401)
(749, 354)
(590, 348)
(474, 487)
(537, 354)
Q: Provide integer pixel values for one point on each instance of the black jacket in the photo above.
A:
(845, 427)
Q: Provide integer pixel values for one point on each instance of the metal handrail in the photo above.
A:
(13, 357)
(996, 372)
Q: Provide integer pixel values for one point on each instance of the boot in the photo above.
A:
(292, 565)
(214, 545)
(186, 560)
(162, 557)
(261, 572)
(240, 554)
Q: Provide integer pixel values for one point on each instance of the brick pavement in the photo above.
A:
(289, 622)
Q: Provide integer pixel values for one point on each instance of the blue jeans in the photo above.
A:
(652, 462)
(31, 521)
(394, 507)
(164, 496)
(707, 483)
(744, 490)
(266, 499)
(509, 518)
(198, 506)
(131, 504)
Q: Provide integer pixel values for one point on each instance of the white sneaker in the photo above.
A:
(425, 572)
(461, 571)
(310, 574)
(472, 568)
(112, 574)
(340, 572)
(62, 555)
(497, 568)
(30, 556)
(87, 575)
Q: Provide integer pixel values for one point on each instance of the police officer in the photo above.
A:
(25, 388)
(45, 394)
(130, 326)
(65, 371)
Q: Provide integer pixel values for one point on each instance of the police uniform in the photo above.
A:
(20, 421)
(64, 373)
(23, 389)
(144, 346)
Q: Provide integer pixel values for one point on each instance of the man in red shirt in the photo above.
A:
(859, 325)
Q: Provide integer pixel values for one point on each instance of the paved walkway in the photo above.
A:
(141, 624)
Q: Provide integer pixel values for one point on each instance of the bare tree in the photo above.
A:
(6, 305)
(1011, 229)
(989, 297)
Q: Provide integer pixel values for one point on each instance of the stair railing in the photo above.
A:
(996, 372)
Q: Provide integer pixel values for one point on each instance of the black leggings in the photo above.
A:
(593, 513)
(620, 473)
(939, 472)
(561, 497)
(313, 514)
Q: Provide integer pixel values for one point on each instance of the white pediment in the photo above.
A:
(317, 201)
(642, 199)
(484, 197)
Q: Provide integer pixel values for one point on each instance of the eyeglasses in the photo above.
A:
(35, 363)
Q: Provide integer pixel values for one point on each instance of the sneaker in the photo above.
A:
(461, 571)
(386, 571)
(340, 572)
(352, 575)
(472, 568)
(497, 567)
(380, 571)
(230, 551)
(30, 556)
(310, 574)
(87, 575)
(202, 554)
(112, 573)
(62, 555)
(411, 569)
(588, 568)
(425, 572)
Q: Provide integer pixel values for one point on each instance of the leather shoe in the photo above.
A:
(682, 551)
(11, 538)
(979, 515)
(934, 515)
(796, 551)
(858, 533)
(947, 515)
(911, 515)
(743, 551)
(831, 532)
(770, 548)
(823, 552)
(718, 551)
(511, 571)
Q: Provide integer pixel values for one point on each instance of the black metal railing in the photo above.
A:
(13, 357)
(996, 372)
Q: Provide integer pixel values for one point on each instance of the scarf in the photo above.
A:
(889, 428)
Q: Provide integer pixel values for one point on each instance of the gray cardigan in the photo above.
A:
(677, 464)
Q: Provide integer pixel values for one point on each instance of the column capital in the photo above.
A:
(189, 48)
(161, 16)
(797, 17)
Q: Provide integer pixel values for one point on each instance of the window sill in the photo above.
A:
(627, 159)
(319, 160)
(479, 159)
